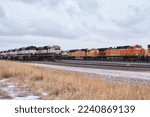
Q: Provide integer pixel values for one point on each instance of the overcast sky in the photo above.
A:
(74, 23)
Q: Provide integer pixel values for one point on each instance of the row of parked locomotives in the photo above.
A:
(33, 53)
(120, 53)
(54, 53)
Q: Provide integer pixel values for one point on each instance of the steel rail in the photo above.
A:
(114, 64)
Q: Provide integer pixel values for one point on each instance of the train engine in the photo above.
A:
(48, 53)
(148, 53)
(77, 54)
(33, 53)
(126, 53)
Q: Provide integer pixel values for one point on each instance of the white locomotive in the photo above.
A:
(33, 53)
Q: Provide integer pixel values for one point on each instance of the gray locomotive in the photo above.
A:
(33, 53)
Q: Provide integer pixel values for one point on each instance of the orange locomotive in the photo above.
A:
(77, 54)
(149, 50)
(148, 54)
(122, 53)
(92, 54)
(83, 54)
(126, 53)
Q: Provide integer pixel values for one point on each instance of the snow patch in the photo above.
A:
(16, 93)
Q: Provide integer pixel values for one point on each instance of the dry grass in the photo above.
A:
(52, 84)
(3, 95)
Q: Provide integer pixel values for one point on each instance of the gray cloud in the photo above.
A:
(28, 1)
(39, 28)
(88, 5)
(46, 23)
(138, 22)
(2, 12)
(95, 22)
(42, 2)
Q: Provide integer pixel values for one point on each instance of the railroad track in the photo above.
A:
(129, 66)
(114, 64)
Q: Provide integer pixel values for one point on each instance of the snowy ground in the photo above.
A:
(103, 72)
(15, 92)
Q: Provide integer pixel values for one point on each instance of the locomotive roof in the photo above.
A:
(123, 47)
(23, 48)
(101, 49)
(30, 47)
(73, 50)
(55, 46)
(10, 50)
(42, 48)
(14, 50)
(47, 47)
(84, 49)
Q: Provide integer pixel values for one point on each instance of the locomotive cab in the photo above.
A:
(137, 47)
(55, 49)
(138, 50)
(31, 50)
